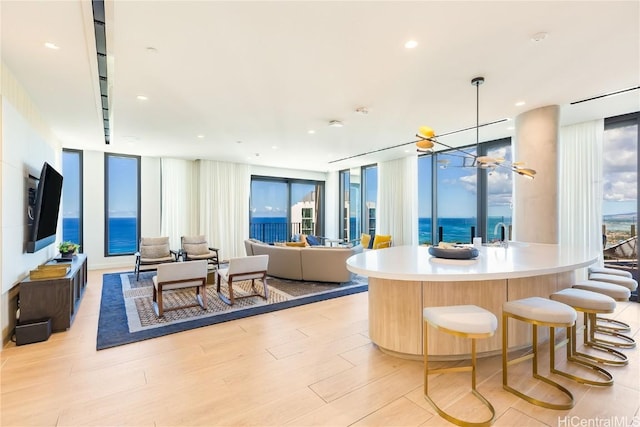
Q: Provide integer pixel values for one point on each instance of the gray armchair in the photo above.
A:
(154, 251)
(195, 248)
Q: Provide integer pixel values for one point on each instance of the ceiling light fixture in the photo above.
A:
(428, 140)
(411, 44)
(519, 103)
(362, 110)
(50, 45)
(311, 131)
(336, 124)
(141, 98)
(538, 37)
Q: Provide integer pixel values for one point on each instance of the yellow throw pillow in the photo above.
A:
(381, 241)
(365, 239)
(296, 244)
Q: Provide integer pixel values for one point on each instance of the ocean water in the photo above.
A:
(122, 236)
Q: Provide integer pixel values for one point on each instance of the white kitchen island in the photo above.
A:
(405, 279)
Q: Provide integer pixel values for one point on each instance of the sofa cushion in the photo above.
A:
(325, 264)
(295, 244)
(283, 261)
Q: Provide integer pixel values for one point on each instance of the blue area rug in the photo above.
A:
(126, 313)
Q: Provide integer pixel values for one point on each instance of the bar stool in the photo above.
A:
(616, 279)
(537, 312)
(468, 321)
(589, 303)
(614, 271)
(618, 293)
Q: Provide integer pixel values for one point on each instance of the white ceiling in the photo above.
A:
(265, 73)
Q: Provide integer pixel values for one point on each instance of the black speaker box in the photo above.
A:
(33, 331)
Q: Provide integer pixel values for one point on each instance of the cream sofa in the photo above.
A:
(312, 263)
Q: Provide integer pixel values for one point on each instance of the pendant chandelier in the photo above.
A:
(428, 139)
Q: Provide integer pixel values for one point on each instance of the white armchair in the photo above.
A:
(179, 275)
(244, 268)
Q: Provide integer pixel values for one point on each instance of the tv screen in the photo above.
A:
(45, 210)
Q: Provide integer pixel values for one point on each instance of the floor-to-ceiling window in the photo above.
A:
(620, 191)
(499, 191)
(282, 209)
(456, 196)
(72, 196)
(425, 205)
(122, 204)
(345, 226)
(457, 200)
(370, 197)
(358, 202)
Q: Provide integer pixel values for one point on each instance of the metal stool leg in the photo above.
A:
(472, 368)
(506, 363)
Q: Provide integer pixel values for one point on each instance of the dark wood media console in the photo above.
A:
(57, 298)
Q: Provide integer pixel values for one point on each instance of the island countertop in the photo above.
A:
(494, 262)
(403, 280)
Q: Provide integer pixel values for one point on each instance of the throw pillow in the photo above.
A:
(365, 240)
(313, 241)
(381, 241)
(296, 244)
(196, 248)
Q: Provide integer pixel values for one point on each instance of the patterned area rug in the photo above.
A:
(127, 314)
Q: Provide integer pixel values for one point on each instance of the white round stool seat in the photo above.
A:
(613, 271)
(617, 292)
(541, 310)
(628, 283)
(468, 319)
(585, 300)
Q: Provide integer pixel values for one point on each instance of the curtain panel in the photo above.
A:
(224, 190)
(397, 207)
(178, 204)
(580, 187)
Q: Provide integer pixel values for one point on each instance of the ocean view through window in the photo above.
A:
(122, 208)
(281, 209)
(72, 196)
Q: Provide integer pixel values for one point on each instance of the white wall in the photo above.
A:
(26, 143)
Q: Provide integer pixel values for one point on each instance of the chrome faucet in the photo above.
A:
(503, 235)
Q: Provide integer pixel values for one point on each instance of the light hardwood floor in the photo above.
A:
(310, 365)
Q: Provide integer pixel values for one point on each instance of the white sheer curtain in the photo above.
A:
(580, 187)
(224, 205)
(179, 208)
(397, 206)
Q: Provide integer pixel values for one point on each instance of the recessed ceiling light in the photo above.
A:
(538, 37)
(274, 147)
(336, 124)
(200, 136)
(520, 103)
(311, 131)
(411, 44)
(238, 142)
(51, 45)
(362, 111)
(151, 50)
(141, 97)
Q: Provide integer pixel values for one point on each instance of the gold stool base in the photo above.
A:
(574, 357)
(534, 367)
(472, 368)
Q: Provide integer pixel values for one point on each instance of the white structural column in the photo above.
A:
(536, 201)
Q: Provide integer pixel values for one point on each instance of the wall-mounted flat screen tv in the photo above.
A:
(44, 212)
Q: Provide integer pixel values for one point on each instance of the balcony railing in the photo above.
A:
(270, 232)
